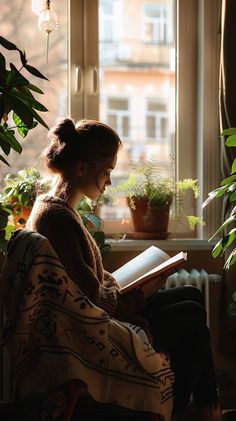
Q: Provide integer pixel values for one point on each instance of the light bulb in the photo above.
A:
(47, 20)
(37, 6)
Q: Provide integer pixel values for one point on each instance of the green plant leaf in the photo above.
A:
(99, 237)
(228, 180)
(217, 249)
(22, 110)
(3, 219)
(1, 107)
(228, 239)
(21, 127)
(228, 132)
(15, 78)
(2, 68)
(231, 259)
(233, 168)
(233, 211)
(214, 194)
(39, 119)
(105, 250)
(13, 142)
(4, 161)
(222, 227)
(34, 88)
(232, 197)
(231, 140)
(7, 44)
(35, 72)
(23, 58)
(26, 96)
(26, 198)
(4, 145)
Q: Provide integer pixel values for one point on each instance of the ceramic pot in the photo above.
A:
(147, 218)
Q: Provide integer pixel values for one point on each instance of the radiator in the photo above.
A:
(200, 279)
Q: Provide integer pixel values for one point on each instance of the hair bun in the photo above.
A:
(64, 131)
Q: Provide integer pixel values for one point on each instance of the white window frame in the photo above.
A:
(159, 24)
(197, 125)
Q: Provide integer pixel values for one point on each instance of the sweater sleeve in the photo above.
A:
(127, 304)
(67, 238)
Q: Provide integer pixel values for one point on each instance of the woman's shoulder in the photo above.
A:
(49, 209)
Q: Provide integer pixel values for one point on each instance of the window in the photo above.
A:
(156, 120)
(136, 71)
(128, 63)
(155, 23)
(19, 25)
(118, 116)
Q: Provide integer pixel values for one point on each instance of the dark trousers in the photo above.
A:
(177, 319)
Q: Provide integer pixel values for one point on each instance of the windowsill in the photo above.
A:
(184, 244)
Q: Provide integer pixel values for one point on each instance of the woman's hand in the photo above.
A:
(151, 287)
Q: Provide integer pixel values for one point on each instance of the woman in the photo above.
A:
(83, 157)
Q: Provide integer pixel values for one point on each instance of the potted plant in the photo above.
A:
(18, 105)
(16, 200)
(227, 189)
(150, 196)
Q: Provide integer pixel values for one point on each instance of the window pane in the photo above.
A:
(151, 127)
(137, 82)
(19, 25)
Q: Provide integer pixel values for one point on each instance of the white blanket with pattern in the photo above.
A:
(54, 333)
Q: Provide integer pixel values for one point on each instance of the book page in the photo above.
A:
(165, 267)
(140, 265)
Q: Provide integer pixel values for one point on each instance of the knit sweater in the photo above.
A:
(78, 252)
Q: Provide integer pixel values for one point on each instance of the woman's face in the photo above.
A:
(96, 178)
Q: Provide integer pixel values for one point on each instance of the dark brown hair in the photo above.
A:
(90, 141)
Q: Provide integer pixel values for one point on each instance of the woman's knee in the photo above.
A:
(178, 294)
(193, 312)
(193, 293)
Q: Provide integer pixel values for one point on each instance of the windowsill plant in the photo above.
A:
(150, 197)
(18, 196)
(16, 201)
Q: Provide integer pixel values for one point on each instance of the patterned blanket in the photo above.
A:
(54, 333)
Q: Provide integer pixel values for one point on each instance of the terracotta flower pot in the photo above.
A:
(21, 212)
(147, 218)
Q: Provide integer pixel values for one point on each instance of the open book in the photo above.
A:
(150, 264)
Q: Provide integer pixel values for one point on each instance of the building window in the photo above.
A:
(156, 120)
(118, 116)
(155, 23)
